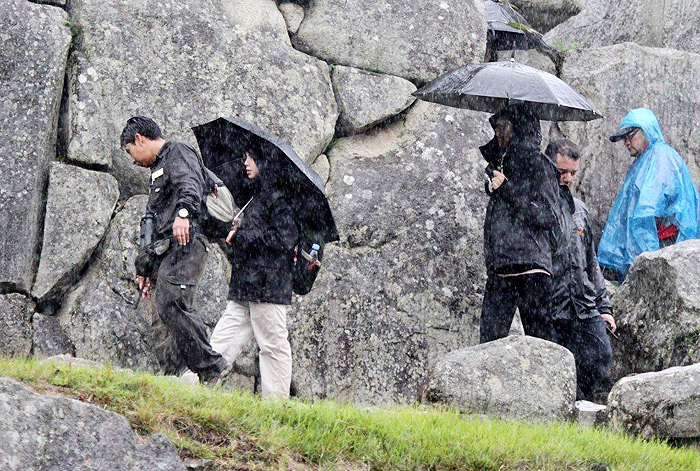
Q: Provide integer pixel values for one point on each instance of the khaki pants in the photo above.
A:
(268, 324)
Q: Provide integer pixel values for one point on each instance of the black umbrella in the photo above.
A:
(507, 29)
(492, 86)
(223, 143)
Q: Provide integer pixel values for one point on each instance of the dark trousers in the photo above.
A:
(531, 294)
(588, 340)
(178, 278)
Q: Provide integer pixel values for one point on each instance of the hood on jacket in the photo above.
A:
(526, 132)
(644, 118)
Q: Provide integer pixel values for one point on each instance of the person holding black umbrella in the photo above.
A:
(263, 241)
(523, 229)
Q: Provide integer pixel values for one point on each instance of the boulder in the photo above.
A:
(544, 15)
(48, 337)
(405, 283)
(15, 324)
(78, 210)
(99, 317)
(657, 310)
(34, 43)
(516, 377)
(366, 99)
(322, 166)
(663, 404)
(530, 57)
(670, 24)
(57, 433)
(591, 414)
(205, 59)
(293, 15)
(414, 39)
(616, 79)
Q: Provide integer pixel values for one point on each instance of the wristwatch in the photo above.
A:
(183, 213)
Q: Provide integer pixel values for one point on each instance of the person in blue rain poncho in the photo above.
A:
(658, 204)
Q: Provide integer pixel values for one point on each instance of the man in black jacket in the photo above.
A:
(523, 227)
(177, 256)
(260, 290)
(580, 299)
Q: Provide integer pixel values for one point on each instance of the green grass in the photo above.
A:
(244, 432)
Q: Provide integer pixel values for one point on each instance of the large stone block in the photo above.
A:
(185, 62)
(99, 317)
(670, 24)
(664, 404)
(405, 283)
(78, 210)
(657, 310)
(57, 433)
(516, 377)
(34, 42)
(616, 79)
(414, 39)
(366, 99)
(15, 325)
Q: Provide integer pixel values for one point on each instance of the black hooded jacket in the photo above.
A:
(263, 247)
(524, 222)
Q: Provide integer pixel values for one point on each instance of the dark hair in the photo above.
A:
(139, 125)
(563, 147)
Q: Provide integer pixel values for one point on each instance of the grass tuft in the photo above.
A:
(244, 432)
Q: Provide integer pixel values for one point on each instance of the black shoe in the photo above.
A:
(220, 378)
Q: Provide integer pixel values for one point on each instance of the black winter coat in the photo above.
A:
(263, 250)
(177, 181)
(524, 223)
(579, 287)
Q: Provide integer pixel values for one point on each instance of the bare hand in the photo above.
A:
(610, 320)
(181, 230)
(232, 232)
(498, 179)
(144, 286)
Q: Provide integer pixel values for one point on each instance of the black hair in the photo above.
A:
(563, 147)
(139, 125)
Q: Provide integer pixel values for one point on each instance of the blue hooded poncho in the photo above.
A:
(657, 185)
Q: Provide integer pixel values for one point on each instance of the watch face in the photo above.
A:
(183, 213)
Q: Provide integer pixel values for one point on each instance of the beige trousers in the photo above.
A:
(267, 323)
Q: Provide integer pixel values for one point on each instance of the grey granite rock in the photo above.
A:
(670, 24)
(293, 15)
(199, 59)
(663, 404)
(57, 433)
(78, 210)
(15, 324)
(657, 310)
(515, 377)
(366, 99)
(48, 337)
(591, 414)
(616, 79)
(322, 166)
(414, 39)
(405, 283)
(34, 42)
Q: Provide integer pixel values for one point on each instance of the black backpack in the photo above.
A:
(306, 267)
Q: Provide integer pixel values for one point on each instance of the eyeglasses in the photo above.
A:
(628, 137)
(564, 172)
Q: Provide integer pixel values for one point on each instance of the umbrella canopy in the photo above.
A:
(223, 143)
(492, 86)
(507, 28)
